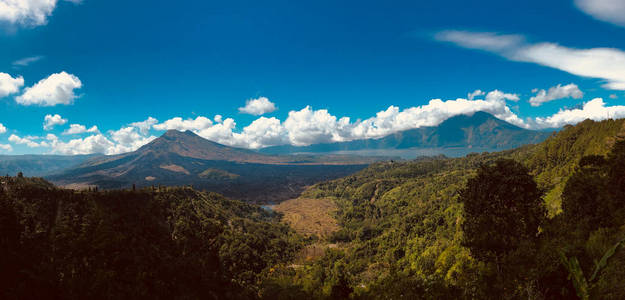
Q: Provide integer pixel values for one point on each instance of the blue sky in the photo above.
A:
(304, 68)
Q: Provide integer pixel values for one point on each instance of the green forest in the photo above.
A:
(542, 221)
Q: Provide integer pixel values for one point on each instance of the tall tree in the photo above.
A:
(503, 209)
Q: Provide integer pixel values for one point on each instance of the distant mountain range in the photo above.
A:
(465, 132)
(184, 158)
(40, 165)
(271, 174)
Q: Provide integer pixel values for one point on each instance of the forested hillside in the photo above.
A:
(542, 221)
(167, 243)
(403, 224)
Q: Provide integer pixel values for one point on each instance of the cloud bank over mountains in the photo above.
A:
(310, 126)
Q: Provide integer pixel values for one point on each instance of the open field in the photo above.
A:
(310, 216)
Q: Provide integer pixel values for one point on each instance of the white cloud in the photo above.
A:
(498, 95)
(27, 61)
(432, 114)
(555, 93)
(6, 147)
(474, 94)
(128, 139)
(221, 133)
(145, 126)
(258, 106)
(97, 143)
(612, 11)
(49, 121)
(78, 129)
(10, 85)
(56, 89)
(489, 41)
(28, 12)
(309, 126)
(607, 64)
(178, 123)
(2, 128)
(594, 110)
(28, 141)
(263, 132)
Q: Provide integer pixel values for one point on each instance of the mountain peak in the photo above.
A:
(478, 118)
(178, 133)
(189, 144)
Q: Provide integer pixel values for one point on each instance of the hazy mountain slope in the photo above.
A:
(183, 158)
(480, 130)
(40, 165)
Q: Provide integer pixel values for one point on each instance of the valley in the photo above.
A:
(385, 229)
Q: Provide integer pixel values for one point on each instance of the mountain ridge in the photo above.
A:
(184, 158)
(480, 130)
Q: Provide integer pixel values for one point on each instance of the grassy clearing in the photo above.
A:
(310, 216)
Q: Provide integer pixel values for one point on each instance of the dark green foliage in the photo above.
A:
(176, 243)
(502, 209)
(401, 223)
(433, 228)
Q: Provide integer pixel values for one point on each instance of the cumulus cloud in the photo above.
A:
(310, 126)
(433, 113)
(28, 12)
(56, 89)
(612, 11)
(178, 123)
(555, 93)
(10, 85)
(27, 61)
(97, 143)
(222, 133)
(2, 128)
(474, 94)
(145, 126)
(49, 121)
(128, 139)
(28, 141)
(6, 147)
(607, 64)
(78, 129)
(263, 132)
(595, 109)
(258, 106)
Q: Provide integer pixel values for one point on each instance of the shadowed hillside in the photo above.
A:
(166, 243)
(184, 158)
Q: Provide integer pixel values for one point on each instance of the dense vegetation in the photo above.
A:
(543, 221)
(166, 243)
(407, 229)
